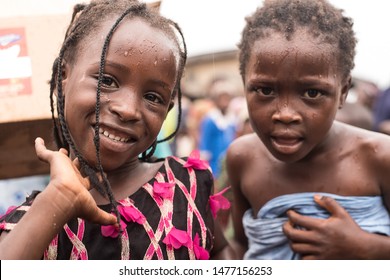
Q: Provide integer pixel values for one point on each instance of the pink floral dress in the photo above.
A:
(170, 217)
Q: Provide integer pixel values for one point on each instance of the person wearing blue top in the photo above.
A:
(218, 128)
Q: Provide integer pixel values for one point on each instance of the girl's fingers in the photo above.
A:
(40, 150)
(64, 151)
(103, 218)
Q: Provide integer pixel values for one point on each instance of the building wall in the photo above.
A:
(201, 70)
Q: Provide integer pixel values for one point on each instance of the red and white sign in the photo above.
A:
(15, 64)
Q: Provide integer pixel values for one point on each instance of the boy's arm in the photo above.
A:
(234, 167)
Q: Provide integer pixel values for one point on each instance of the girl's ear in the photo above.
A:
(344, 91)
(65, 75)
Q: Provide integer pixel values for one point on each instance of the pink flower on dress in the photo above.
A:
(195, 162)
(131, 214)
(9, 210)
(218, 201)
(112, 230)
(200, 252)
(164, 190)
(177, 238)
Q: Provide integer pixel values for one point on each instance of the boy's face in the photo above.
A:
(293, 89)
(139, 78)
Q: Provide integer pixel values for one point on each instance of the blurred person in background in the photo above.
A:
(218, 127)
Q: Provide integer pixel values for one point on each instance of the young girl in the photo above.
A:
(305, 186)
(115, 80)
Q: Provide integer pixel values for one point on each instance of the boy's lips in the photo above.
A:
(286, 144)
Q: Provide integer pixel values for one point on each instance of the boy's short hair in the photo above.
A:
(286, 16)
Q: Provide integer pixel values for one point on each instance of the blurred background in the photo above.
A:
(30, 36)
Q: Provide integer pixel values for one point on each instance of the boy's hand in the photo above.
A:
(68, 189)
(338, 237)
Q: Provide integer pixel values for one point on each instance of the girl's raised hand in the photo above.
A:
(68, 188)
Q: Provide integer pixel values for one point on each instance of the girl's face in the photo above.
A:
(136, 92)
(293, 89)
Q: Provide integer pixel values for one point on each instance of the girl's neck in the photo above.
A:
(129, 179)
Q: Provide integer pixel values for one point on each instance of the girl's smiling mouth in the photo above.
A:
(113, 136)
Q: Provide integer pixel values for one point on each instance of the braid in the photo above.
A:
(56, 130)
(147, 155)
(65, 130)
(106, 183)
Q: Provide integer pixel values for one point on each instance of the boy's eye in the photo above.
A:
(312, 93)
(264, 90)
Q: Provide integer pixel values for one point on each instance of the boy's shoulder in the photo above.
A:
(364, 141)
(245, 143)
(244, 148)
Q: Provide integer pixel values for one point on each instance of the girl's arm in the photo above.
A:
(66, 196)
(222, 249)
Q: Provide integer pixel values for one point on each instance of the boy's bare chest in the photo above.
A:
(347, 176)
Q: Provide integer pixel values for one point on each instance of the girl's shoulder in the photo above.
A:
(14, 213)
(193, 162)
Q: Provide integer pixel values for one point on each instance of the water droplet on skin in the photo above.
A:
(126, 53)
(155, 63)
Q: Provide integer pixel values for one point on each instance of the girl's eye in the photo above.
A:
(312, 94)
(153, 98)
(108, 81)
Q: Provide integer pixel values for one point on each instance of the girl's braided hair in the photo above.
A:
(286, 16)
(85, 19)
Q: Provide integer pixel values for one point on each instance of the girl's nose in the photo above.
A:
(126, 106)
(286, 114)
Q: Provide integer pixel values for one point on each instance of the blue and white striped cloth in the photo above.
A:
(266, 239)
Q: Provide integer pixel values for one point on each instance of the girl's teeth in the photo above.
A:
(113, 137)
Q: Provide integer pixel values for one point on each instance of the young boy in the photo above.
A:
(305, 186)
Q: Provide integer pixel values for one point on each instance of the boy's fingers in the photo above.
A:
(330, 205)
(302, 221)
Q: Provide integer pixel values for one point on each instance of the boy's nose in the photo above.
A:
(125, 106)
(286, 114)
